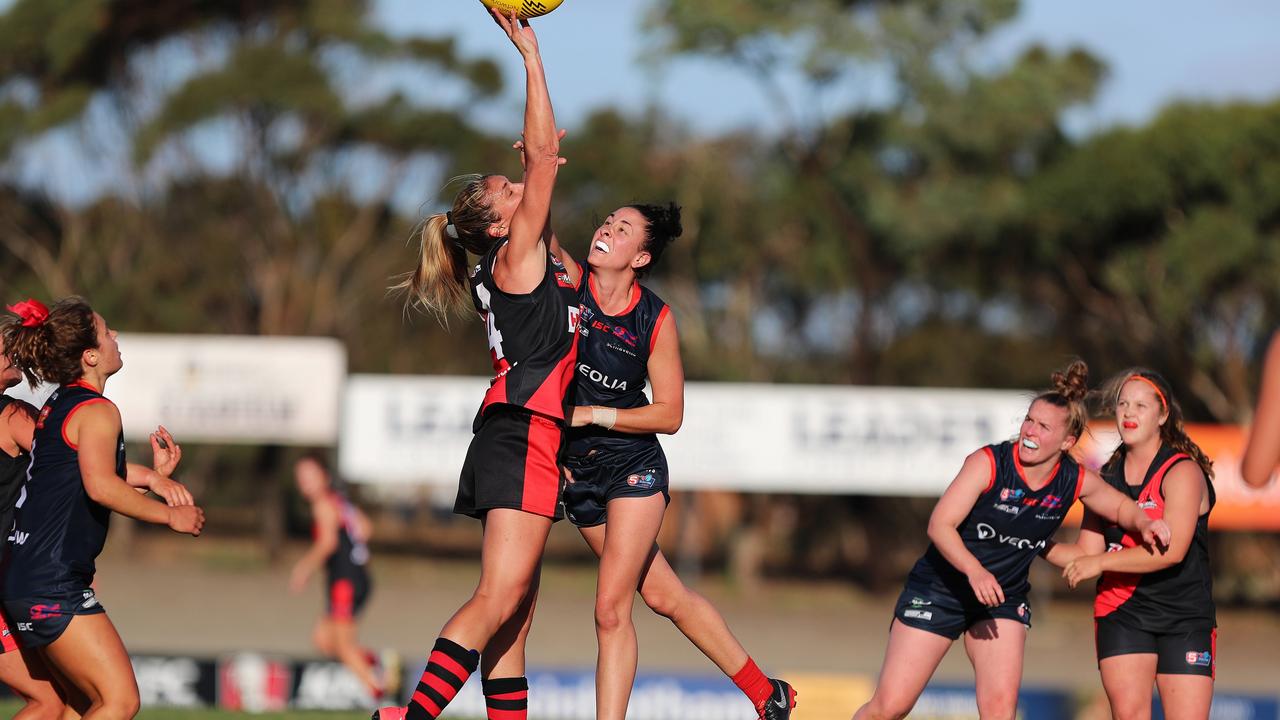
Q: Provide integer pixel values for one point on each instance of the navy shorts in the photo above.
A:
(513, 462)
(941, 613)
(1177, 653)
(40, 620)
(605, 473)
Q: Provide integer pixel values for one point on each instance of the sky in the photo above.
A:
(1157, 51)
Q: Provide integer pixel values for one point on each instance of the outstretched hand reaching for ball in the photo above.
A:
(519, 31)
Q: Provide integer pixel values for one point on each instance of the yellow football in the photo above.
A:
(523, 9)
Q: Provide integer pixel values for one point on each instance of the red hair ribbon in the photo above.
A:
(32, 311)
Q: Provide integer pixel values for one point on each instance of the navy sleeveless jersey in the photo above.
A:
(1176, 599)
(13, 473)
(1009, 526)
(59, 530)
(352, 553)
(532, 339)
(613, 362)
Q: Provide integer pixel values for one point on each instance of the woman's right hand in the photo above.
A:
(519, 31)
(986, 588)
(186, 519)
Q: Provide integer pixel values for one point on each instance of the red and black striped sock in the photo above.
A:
(447, 671)
(753, 684)
(507, 698)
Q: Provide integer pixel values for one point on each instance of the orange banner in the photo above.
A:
(1239, 507)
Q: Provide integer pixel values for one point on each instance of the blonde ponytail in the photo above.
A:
(439, 285)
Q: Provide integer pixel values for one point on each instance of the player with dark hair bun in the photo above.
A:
(993, 520)
(618, 486)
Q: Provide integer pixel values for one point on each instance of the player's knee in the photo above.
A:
(610, 616)
(322, 641)
(664, 602)
(122, 704)
(887, 706)
(43, 708)
(999, 705)
(1130, 709)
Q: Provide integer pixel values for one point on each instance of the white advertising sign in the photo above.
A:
(227, 388)
(751, 437)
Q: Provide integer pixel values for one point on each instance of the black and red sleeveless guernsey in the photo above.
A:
(1009, 525)
(13, 474)
(1177, 599)
(613, 362)
(348, 578)
(59, 530)
(532, 338)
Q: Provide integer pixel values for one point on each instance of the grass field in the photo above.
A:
(8, 709)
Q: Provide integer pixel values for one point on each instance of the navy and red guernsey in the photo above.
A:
(1009, 526)
(532, 339)
(1176, 599)
(613, 362)
(59, 530)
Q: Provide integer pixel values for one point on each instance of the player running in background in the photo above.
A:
(511, 479)
(339, 533)
(1262, 453)
(993, 520)
(618, 490)
(78, 477)
(1154, 612)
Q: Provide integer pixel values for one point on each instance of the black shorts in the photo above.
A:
(608, 473)
(1177, 653)
(941, 613)
(513, 462)
(347, 595)
(40, 620)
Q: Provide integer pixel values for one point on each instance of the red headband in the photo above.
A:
(1164, 402)
(33, 312)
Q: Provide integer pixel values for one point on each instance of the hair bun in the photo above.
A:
(666, 221)
(1073, 382)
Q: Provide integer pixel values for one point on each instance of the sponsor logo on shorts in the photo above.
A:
(1023, 610)
(644, 479)
(24, 627)
(44, 612)
(919, 602)
(1201, 659)
(90, 599)
(918, 614)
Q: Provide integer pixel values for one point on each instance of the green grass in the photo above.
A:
(9, 709)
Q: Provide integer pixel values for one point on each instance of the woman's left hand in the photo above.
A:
(1082, 568)
(174, 493)
(166, 453)
(1155, 533)
(581, 416)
